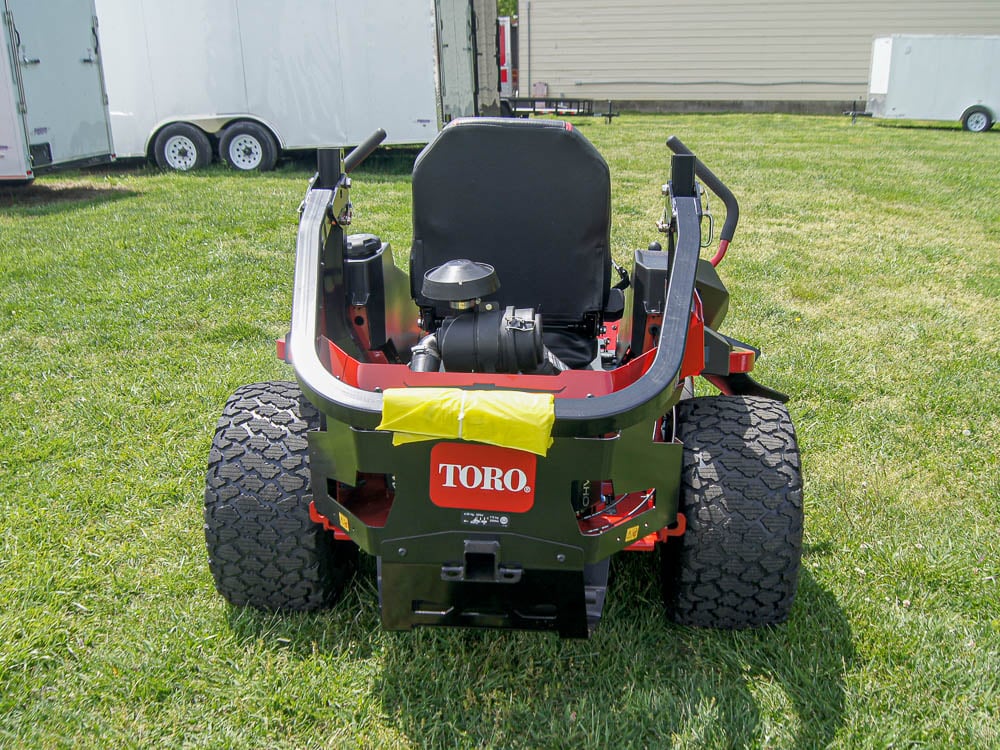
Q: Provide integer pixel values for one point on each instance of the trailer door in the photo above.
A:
(65, 108)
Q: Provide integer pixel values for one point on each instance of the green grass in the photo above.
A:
(866, 267)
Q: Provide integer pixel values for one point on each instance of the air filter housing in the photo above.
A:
(461, 283)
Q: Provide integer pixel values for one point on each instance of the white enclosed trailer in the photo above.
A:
(53, 106)
(936, 77)
(246, 79)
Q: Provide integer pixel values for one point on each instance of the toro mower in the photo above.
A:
(497, 422)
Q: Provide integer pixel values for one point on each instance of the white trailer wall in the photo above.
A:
(330, 73)
(317, 72)
(931, 77)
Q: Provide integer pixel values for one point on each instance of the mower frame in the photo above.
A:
(538, 562)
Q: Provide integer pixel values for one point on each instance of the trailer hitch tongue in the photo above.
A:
(481, 564)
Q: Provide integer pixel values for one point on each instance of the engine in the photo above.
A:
(479, 336)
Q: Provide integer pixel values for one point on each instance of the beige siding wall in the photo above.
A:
(804, 50)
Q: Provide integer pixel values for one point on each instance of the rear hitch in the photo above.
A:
(481, 564)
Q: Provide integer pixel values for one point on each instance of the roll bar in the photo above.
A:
(646, 398)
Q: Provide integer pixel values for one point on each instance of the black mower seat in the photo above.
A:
(533, 199)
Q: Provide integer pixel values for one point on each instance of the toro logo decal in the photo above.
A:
(482, 477)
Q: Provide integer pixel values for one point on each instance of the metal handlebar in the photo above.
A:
(716, 186)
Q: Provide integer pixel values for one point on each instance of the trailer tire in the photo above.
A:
(264, 549)
(248, 146)
(977, 120)
(737, 564)
(182, 147)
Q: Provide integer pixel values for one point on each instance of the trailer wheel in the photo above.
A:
(977, 119)
(264, 550)
(182, 147)
(247, 146)
(737, 564)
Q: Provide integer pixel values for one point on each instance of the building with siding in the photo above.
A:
(676, 55)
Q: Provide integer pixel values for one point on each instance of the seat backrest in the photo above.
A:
(530, 197)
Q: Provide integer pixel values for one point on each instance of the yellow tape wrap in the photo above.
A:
(510, 419)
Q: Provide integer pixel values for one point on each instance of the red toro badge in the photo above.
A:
(482, 477)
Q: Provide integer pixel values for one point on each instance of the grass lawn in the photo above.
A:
(867, 268)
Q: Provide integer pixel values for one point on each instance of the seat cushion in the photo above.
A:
(530, 197)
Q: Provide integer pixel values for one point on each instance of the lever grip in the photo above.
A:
(363, 150)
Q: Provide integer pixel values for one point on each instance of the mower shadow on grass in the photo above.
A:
(639, 681)
(351, 627)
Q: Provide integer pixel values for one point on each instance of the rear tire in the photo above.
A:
(737, 564)
(182, 147)
(247, 146)
(264, 550)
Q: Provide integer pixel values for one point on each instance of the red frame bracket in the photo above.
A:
(316, 517)
(648, 543)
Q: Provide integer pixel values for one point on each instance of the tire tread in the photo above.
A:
(264, 549)
(737, 564)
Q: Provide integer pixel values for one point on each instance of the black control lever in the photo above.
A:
(363, 150)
